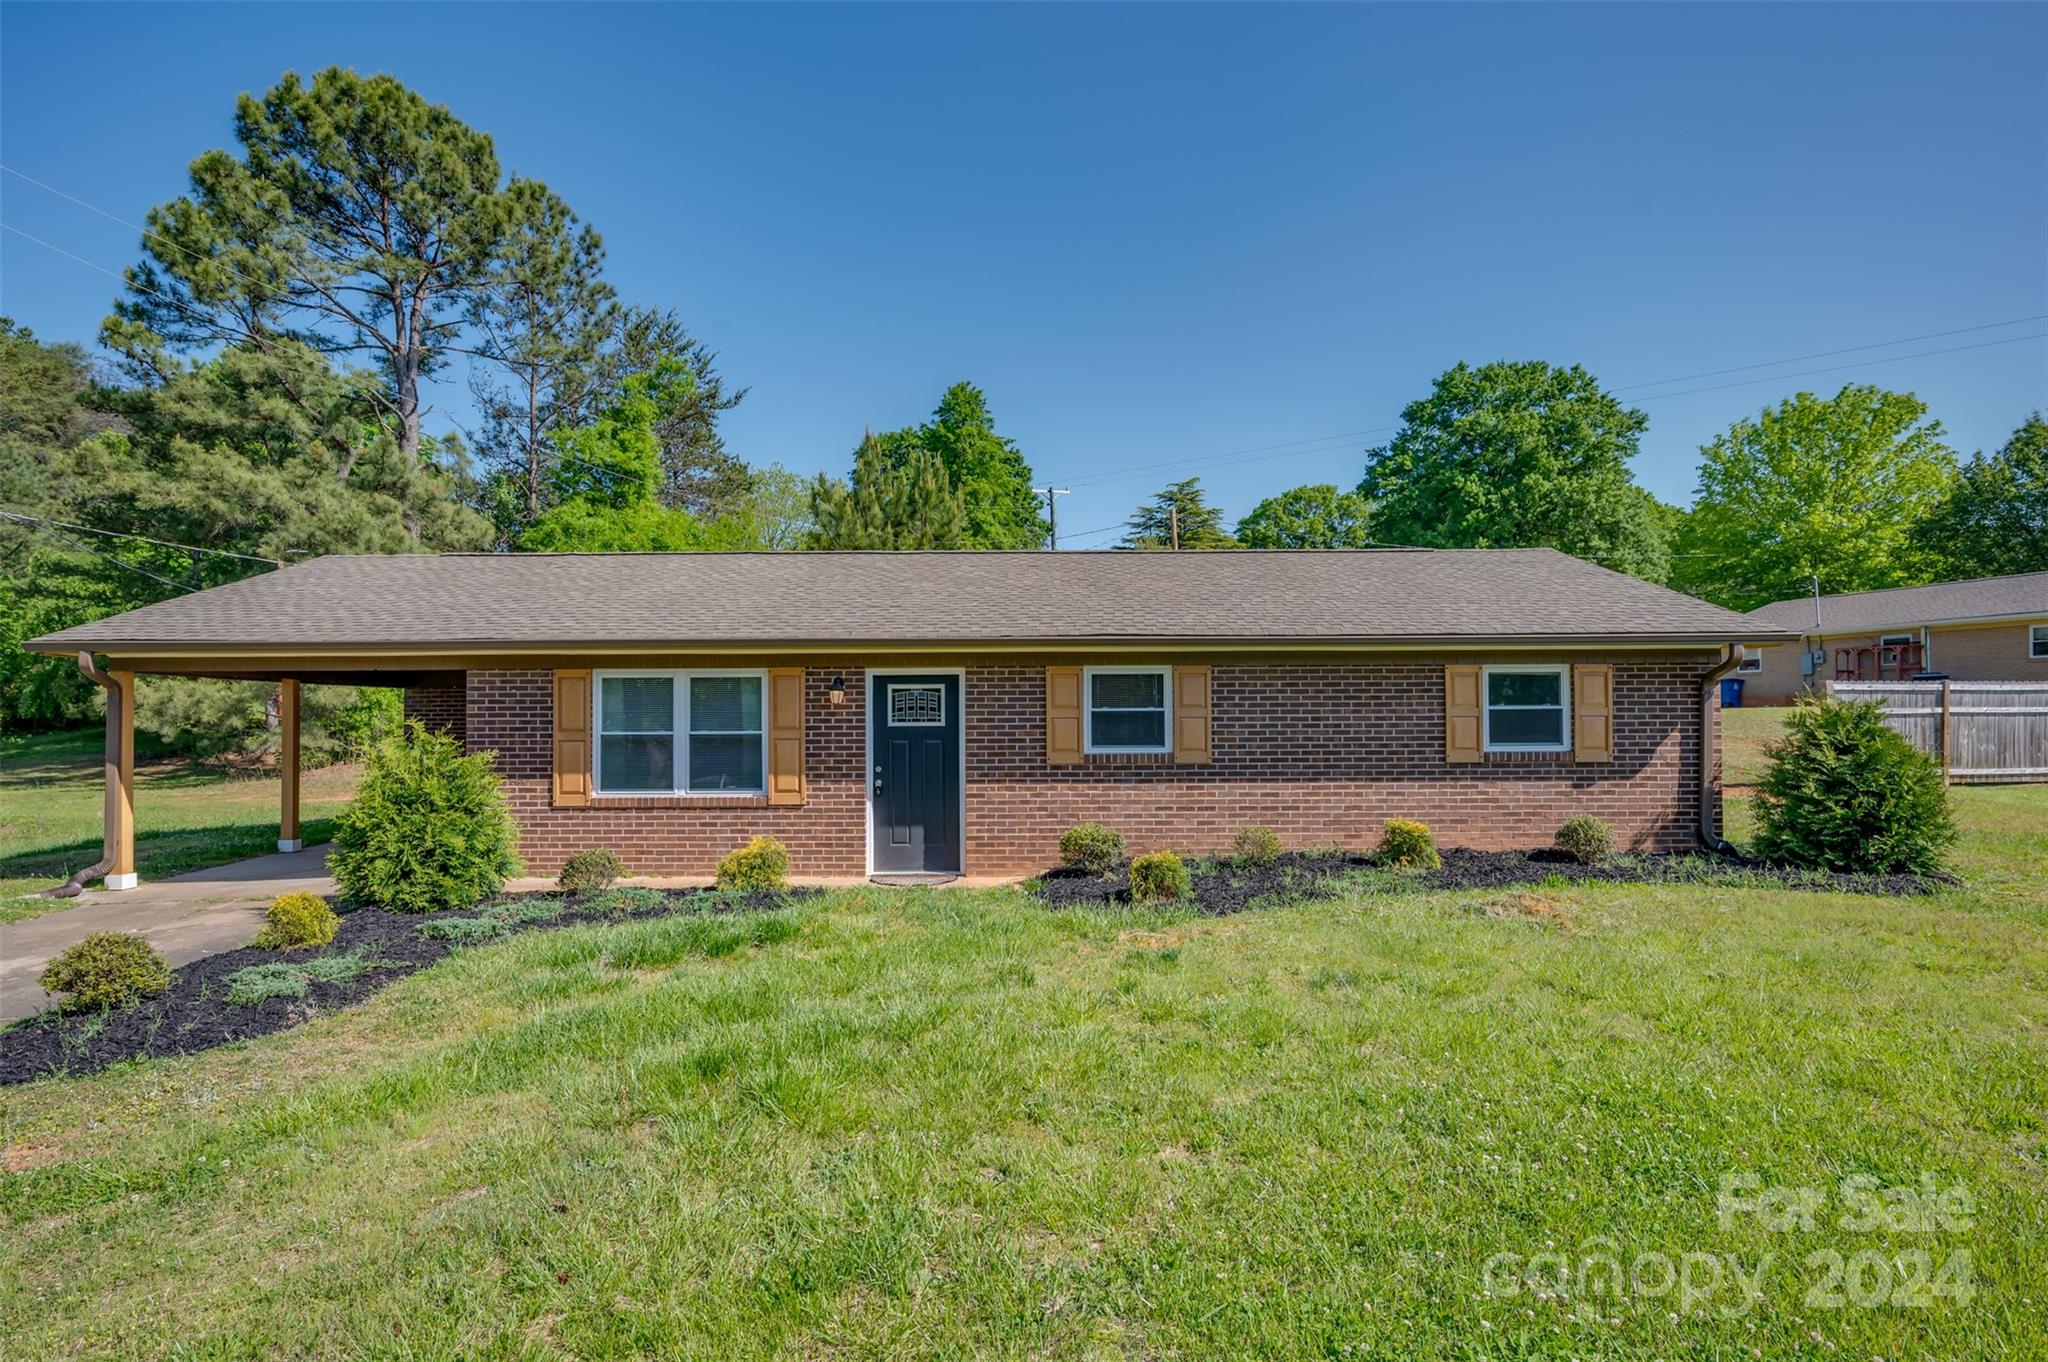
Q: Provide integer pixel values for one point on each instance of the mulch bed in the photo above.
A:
(194, 1014)
(1221, 887)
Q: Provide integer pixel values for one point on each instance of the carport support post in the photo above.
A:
(120, 818)
(288, 765)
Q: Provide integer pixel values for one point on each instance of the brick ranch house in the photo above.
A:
(944, 713)
(1987, 629)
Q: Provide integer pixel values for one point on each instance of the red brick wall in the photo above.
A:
(443, 708)
(1320, 752)
(511, 713)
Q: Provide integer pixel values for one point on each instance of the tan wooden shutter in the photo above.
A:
(1063, 716)
(786, 735)
(1592, 712)
(1191, 715)
(1464, 731)
(572, 738)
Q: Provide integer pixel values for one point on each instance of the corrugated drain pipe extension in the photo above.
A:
(70, 887)
(1710, 784)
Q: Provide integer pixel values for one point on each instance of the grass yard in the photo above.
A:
(946, 1123)
(186, 815)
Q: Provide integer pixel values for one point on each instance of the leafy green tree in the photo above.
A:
(357, 219)
(48, 576)
(777, 508)
(542, 315)
(605, 480)
(1314, 517)
(895, 501)
(1826, 487)
(1994, 521)
(1518, 455)
(240, 455)
(987, 468)
(1180, 510)
(698, 473)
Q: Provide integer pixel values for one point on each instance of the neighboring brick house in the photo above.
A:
(1986, 629)
(939, 713)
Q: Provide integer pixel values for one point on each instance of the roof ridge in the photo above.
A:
(1923, 586)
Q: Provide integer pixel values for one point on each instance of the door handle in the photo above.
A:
(878, 780)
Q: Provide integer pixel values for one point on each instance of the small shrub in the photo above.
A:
(295, 920)
(290, 979)
(1586, 839)
(1160, 875)
(1091, 847)
(588, 872)
(105, 970)
(463, 931)
(429, 828)
(1409, 845)
(1843, 790)
(624, 901)
(1256, 846)
(761, 864)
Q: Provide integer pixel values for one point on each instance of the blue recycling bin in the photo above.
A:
(1731, 692)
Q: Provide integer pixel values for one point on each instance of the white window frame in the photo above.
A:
(1563, 673)
(680, 710)
(1750, 664)
(2037, 642)
(1165, 675)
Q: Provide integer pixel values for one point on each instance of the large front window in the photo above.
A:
(1127, 709)
(680, 733)
(1526, 709)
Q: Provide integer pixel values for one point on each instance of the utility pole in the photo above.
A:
(1052, 509)
(1173, 522)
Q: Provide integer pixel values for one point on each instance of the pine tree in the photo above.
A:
(542, 315)
(1179, 512)
(899, 499)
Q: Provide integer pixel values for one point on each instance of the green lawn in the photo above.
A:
(952, 1124)
(186, 815)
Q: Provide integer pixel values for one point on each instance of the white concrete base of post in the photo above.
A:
(117, 883)
(289, 844)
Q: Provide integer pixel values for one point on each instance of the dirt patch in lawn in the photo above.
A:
(195, 1014)
(1223, 887)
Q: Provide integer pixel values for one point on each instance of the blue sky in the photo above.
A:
(1160, 235)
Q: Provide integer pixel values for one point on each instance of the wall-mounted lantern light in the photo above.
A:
(838, 691)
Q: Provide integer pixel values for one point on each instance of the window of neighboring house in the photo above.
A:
(1527, 709)
(2037, 642)
(1127, 708)
(680, 733)
(1754, 662)
(1894, 640)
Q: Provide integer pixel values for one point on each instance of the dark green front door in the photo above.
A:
(915, 773)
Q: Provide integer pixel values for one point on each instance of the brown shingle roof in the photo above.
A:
(751, 598)
(2019, 597)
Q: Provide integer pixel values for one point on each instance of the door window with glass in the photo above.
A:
(681, 733)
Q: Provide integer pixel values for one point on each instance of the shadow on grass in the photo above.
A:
(169, 851)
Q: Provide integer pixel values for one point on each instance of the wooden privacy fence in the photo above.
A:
(1977, 730)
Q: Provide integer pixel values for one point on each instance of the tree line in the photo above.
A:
(264, 385)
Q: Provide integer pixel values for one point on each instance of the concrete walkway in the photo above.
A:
(187, 917)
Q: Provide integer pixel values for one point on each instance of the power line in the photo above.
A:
(84, 547)
(1837, 368)
(1828, 354)
(26, 518)
(1229, 458)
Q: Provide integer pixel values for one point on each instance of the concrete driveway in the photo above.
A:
(199, 913)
